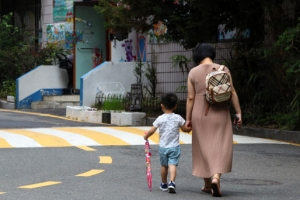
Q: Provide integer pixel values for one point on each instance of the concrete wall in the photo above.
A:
(121, 72)
(43, 80)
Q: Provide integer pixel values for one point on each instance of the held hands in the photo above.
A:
(188, 124)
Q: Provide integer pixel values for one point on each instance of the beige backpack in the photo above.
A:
(218, 88)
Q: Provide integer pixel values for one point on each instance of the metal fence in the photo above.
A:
(27, 16)
(149, 105)
(170, 78)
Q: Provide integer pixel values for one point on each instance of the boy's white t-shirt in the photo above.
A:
(168, 125)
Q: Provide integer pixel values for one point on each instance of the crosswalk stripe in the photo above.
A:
(99, 137)
(126, 136)
(42, 139)
(253, 140)
(72, 138)
(4, 143)
(140, 132)
(185, 138)
(86, 137)
(18, 140)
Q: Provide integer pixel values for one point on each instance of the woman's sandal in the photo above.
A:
(215, 187)
(206, 189)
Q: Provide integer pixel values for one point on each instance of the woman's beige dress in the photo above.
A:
(212, 139)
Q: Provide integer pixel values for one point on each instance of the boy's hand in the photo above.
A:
(189, 129)
(145, 136)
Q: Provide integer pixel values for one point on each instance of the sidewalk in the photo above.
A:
(275, 134)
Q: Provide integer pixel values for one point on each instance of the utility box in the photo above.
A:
(136, 97)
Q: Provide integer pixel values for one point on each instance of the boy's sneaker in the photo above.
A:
(172, 187)
(163, 187)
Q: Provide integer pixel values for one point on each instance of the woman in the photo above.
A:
(212, 140)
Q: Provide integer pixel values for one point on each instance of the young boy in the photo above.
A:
(169, 149)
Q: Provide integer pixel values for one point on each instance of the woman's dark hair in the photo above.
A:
(202, 51)
(169, 100)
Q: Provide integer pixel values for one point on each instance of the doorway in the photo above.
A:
(91, 45)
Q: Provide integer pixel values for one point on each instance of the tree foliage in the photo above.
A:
(18, 57)
(265, 67)
(189, 22)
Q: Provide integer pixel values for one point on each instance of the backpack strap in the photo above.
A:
(221, 68)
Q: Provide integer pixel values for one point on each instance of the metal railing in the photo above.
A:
(150, 105)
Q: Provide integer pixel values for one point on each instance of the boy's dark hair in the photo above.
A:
(169, 100)
(202, 51)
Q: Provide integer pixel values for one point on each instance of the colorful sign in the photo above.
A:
(62, 10)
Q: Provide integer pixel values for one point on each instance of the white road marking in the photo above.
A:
(72, 138)
(21, 141)
(252, 140)
(123, 135)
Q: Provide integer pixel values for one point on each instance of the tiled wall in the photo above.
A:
(47, 16)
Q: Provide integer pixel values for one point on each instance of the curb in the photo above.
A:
(275, 134)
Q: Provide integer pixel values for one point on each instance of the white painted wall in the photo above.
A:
(43, 80)
(107, 72)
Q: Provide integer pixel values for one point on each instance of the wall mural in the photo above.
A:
(63, 34)
(64, 9)
(128, 49)
(56, 34)
(231, 34)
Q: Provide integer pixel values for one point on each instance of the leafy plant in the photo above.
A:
(8, 88)
(17, 57)
(138, 71)
(115, 103)
(150, 73)
(183, 64)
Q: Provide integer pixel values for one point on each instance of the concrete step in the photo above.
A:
(52, 104)
(8, 103)
(57, 101)
(62, 98)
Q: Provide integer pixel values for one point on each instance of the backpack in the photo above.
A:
(218, 88)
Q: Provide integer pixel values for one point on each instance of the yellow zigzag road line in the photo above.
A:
(91, 172)
(37, 185)
(42, 139)
(105, 159)
(98, 137)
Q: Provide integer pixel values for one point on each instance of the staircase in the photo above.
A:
(58, 101)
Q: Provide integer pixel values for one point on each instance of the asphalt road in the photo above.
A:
(38, 118)
(260, 171)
